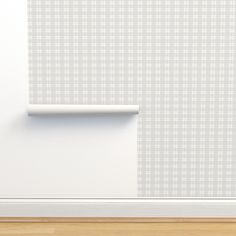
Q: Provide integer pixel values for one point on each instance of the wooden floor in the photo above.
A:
(118, 229)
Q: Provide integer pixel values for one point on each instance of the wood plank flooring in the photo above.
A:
(118, 229)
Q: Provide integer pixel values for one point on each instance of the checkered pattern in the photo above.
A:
(175, 58)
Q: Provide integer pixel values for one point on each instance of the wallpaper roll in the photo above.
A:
(173, 58)
(42, 109)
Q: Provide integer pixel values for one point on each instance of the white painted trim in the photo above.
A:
(58, 109)
(116, 208)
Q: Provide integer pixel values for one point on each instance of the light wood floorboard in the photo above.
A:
(121, 229)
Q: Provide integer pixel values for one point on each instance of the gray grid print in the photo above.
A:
(175, 58)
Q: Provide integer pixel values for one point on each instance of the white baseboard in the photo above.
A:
(116, 208)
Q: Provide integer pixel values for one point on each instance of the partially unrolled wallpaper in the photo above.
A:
(174, 58)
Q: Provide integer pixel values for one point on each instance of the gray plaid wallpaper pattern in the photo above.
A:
(175, 58)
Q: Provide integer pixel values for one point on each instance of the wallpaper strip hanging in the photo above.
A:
(174, 58)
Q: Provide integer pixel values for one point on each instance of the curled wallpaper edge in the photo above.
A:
(48, 109)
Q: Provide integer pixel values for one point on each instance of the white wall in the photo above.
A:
(56, 157)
